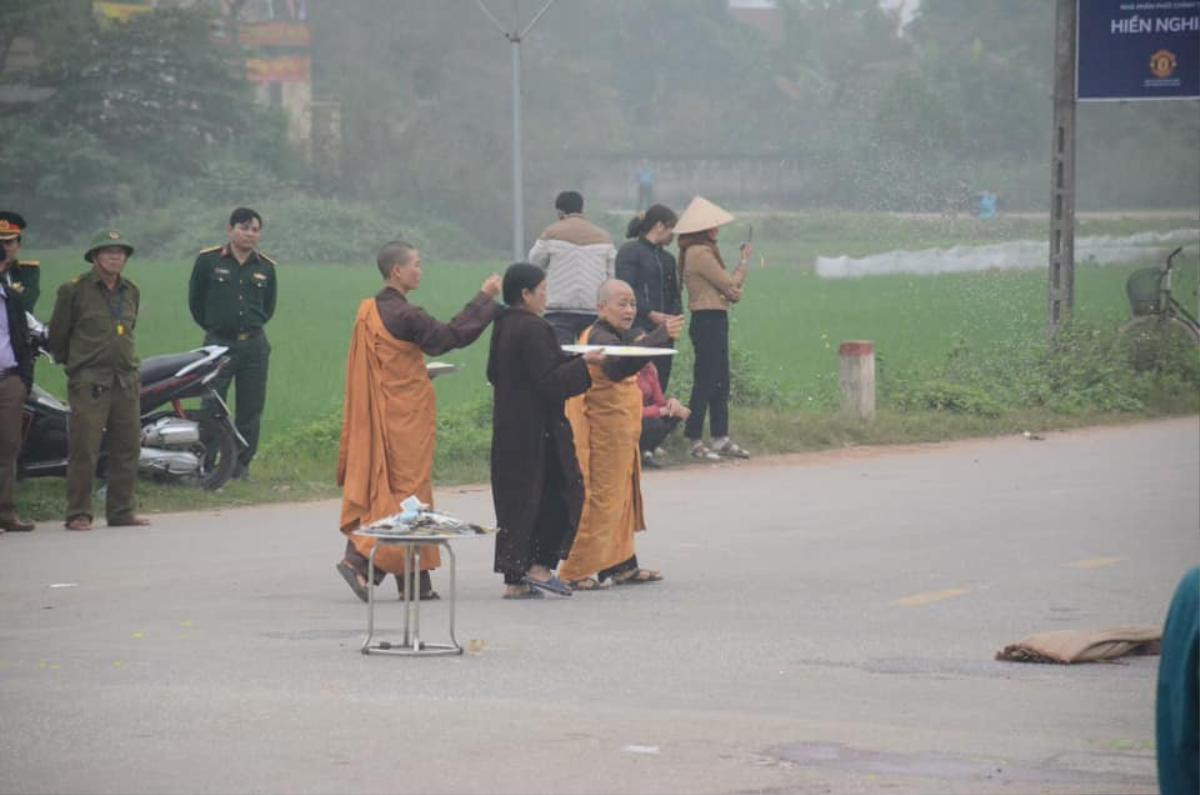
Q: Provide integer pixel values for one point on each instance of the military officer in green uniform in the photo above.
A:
(92, 335)
(21, 276)
(232, 297)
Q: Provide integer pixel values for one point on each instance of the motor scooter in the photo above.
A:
(192, 446)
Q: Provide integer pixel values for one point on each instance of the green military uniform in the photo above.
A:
(24, 277)
(232, 302)
(92, 335)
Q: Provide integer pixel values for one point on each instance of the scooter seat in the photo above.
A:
(157, 368)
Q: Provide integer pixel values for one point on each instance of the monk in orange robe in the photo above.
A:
(606, 422)
(390, 414)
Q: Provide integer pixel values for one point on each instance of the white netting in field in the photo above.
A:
(1146, 247)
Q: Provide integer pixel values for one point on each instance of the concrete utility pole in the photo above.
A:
(514, 38)
(1061, 291)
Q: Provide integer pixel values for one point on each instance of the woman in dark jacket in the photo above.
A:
(650, 270)
(537, 488)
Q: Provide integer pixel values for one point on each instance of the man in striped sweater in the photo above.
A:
(578, 257)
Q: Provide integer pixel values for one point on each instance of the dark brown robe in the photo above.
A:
(532, 378)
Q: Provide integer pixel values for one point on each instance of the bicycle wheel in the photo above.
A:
(1147, 341)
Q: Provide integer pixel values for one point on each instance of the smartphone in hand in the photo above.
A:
(749, 237)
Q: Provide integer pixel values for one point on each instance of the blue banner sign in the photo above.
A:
(1138, 49)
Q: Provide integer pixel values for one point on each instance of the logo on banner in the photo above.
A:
(1162, 64)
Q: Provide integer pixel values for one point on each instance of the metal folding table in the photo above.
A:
(411, 645)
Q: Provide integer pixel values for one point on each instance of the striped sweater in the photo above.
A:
(578, 257)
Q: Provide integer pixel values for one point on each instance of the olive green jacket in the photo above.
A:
(92, 328)
(227, 298)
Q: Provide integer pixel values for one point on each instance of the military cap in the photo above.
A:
(107, 238)
(11, 225)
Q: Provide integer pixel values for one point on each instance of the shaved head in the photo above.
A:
(616, 304)
(613, 290)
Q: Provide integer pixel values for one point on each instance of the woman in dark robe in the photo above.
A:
(537, 488)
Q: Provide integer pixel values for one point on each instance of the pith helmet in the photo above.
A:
(107, 238)
(701, 214)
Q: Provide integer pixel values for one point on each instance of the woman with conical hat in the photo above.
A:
(711, 291)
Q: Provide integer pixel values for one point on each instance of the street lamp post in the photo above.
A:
(514, 38)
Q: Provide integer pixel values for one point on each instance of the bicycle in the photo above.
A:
(1159, 320)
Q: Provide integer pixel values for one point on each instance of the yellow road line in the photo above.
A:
(1093, 563)
(929, 597)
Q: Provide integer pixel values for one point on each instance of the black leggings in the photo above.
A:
(655, 430)
(709, 332)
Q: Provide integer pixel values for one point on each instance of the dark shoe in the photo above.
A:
(129, 521)
(16, 525)
(351, 577)
(550, 585)
(79, 523)
(241, 472)
(648, 461)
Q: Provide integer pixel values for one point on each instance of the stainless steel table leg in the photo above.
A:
(453, 591)
(416, 602)
(370, 599)
(407, 591)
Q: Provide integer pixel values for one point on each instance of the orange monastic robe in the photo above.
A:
(388, 434)
(607, 423)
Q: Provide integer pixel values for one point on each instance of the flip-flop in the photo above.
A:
(640, 577)
(552, 585)
(529, 593)
(588, 584)
(351, 577)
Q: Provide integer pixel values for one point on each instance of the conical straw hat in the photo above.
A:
(701, 214)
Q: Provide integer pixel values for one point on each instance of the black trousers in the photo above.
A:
(654, 430)
(709, 332)
(568, 325)
(663, 365)
(552, 520)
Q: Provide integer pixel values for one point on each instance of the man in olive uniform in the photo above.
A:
(20, 276)
(232, 297)
(91, 333)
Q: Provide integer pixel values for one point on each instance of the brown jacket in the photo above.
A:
(708, 284)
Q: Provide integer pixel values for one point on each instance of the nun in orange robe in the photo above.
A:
(389, 418)
(606, 422)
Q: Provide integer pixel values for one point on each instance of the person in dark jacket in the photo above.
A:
(16, 378)
(646, 266)
(537, 488)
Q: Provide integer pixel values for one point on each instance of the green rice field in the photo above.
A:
(791, 320)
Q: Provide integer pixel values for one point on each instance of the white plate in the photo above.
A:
(621, 350)
(440, 368)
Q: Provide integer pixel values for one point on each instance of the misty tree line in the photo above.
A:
(149, 112)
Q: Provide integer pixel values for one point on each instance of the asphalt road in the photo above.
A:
(828, 624)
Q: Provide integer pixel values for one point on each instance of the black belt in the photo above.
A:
(7, 371)
(240, 336)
